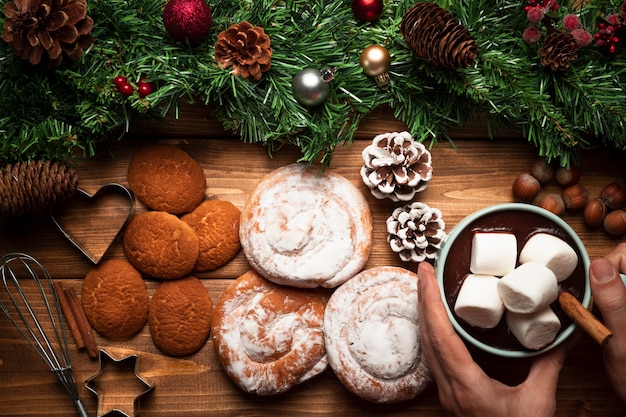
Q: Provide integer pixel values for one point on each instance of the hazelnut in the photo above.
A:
(595, 212)
(526, 187)
(542, 170)
(567, 176)
(613, 195)
(552, 202)
(575, 197)
(615, 222)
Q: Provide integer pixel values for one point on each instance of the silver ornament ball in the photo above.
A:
(309, 87)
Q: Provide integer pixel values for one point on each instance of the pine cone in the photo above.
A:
(396, 166)
(30, 186)
(45, 29)
(558, 51)
(435, 35)
(416, 232)
(246, 48)
(622, 11)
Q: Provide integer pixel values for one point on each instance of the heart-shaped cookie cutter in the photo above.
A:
(118, 403)
(93, 232)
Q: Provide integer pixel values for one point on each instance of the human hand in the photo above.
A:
(609, 296)
(464, 388)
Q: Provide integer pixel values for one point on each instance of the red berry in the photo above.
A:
(120, 80)
(144, 89)
(126, 89)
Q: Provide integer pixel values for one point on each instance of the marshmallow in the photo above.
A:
(536, 330)
(493, 253)
(528, 288)
(478, 302)
(552, 252)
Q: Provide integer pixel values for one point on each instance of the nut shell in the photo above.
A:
(614, 195)
(615, 222)
(595, 211)
(552, 202)
(542, 170)
(567, 176)
(575, 197)
(526, 187)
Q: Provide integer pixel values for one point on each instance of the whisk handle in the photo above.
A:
(80, 407)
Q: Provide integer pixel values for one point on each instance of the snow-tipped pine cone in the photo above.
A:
(416, 232)
(396, 166)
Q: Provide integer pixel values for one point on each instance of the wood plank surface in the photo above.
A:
(469, 174)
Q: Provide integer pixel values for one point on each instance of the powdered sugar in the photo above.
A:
(304, 228)
(372, 335)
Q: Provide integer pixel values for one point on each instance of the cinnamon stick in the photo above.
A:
(83, 323)
(69, 316)
(584, 318)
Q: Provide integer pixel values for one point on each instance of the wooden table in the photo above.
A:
(474, 173)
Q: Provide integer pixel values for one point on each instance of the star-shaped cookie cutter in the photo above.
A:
(125, 382)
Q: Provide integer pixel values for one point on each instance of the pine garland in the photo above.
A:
(53, 114)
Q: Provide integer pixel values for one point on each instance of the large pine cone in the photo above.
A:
(558, 51)
(27, 187)
(435, 35)
(44, 30)
(246, 48)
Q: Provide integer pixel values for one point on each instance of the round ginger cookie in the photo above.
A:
(306, 228)
(115, 299)
(180, 316)
(216, 223)
(166, 178)
(161, 245)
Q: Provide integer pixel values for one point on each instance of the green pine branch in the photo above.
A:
(69, 111)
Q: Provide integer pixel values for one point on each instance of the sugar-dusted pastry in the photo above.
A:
(268, 337)
(373, 337)
(216, 223)
(166, 178)
(306, 228)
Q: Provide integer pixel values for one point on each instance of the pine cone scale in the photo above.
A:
(42, 30)
(436, 36)
(245, 48)
(558, 51)
(32, 186)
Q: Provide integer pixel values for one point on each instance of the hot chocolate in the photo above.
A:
(524, 225)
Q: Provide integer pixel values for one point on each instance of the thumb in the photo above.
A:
(545, 369)
(609, 292)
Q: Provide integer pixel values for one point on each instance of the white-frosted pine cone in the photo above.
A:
(396, 166)
(416, 232)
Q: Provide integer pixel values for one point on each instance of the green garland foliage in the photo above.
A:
(53, 114)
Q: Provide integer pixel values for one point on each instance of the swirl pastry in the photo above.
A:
(304, 228)
(372, 336)
(268, 337)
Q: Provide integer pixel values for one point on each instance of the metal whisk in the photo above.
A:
(37, 314)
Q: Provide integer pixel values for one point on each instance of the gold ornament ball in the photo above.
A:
(375, 60)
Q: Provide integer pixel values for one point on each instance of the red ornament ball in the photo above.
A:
(187, 19)
(367, 10)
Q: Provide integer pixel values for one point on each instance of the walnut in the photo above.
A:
(396, 166)
(416, 232)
